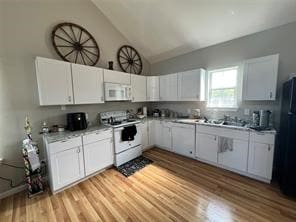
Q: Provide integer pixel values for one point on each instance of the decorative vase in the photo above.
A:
(110, 65)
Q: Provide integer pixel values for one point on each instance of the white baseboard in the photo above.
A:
(13, 191)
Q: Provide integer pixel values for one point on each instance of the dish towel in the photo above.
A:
(224, 144)
(128, 133)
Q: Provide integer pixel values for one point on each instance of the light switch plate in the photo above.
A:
(247, 112)
(63, 107)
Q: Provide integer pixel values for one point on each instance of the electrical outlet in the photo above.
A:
(1, 160)
(247, 112)
(63, 107)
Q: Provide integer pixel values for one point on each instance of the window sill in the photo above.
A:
(225, 109)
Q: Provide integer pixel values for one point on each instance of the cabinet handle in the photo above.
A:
(133, 98)
(63, 141)
(69, 98)
(215, 138)
(78, 150)
(270, 95)
(269, 148)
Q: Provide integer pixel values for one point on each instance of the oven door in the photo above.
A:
(117, 92)
(120, 145)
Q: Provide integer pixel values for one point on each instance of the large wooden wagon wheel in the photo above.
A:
(75, 44)
(129, 59)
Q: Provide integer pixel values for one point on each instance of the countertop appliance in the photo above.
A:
(287, 150)
(117, 92)
(124, 150)
(76, 121)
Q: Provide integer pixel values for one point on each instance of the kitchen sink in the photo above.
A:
(186, 120)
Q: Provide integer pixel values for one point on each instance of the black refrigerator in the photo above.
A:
(287, 149)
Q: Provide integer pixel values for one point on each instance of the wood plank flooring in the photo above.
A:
(173, 188)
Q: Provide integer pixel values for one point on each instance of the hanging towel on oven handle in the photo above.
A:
(128, 133)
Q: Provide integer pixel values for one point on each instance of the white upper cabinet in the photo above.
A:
(139, 86)
(117, 77)
(87, 84)
(152, 88)
(191, 85)
(168, 87)
(260, 78)
(54, 82)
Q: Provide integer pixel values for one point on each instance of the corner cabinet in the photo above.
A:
(139, 88)
(87, 84)
(191, 85)
(260, 78)
(168, 87)
(54, 82)
(152, 88)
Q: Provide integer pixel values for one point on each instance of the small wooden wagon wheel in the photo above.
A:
(75, 44)
(129, 59)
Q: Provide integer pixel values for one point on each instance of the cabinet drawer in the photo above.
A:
(97, 136)
(262, 137)
(64, 144)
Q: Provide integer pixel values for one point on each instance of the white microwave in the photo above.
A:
(117, 92)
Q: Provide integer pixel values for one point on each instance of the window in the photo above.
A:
(223, 88)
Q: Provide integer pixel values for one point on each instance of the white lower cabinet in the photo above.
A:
(166, 136)
(183, 139)
(98, 155)
(237, 157)
(72, 159)
(145, 137)
(207, 147)
(66, 167)
(260, 159)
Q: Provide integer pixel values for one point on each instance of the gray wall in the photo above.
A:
(25, 28)
(278, 40)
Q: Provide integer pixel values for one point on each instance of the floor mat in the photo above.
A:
(132, 166)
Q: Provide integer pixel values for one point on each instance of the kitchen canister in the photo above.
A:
(256, 119)
(264, 118)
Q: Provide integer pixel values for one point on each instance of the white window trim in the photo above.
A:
(239, 87)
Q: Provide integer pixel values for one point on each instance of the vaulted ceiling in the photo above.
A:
(161, 29)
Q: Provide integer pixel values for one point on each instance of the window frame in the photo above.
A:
(238, 87)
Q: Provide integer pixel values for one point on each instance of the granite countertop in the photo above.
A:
(58, 136)
(170, 119)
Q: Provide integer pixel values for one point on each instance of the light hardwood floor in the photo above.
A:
(173, 188)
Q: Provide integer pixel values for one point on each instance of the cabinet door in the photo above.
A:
(87, 84)
(144, 129)
(67, 167)
(191, 85)
(54, 82)
(166, 138)
(168, 87)
(98, 155)
(260, 78)
(183, 141)
(207, 147)
(117, 77)
(237, 158)
(151, 133)
(157, 133)
(260, 159)
(153, 88)
(139, 87)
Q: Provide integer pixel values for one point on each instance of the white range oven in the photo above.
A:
(124, 150)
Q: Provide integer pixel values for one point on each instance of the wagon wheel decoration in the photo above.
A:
(129, 59)
(75, 44)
